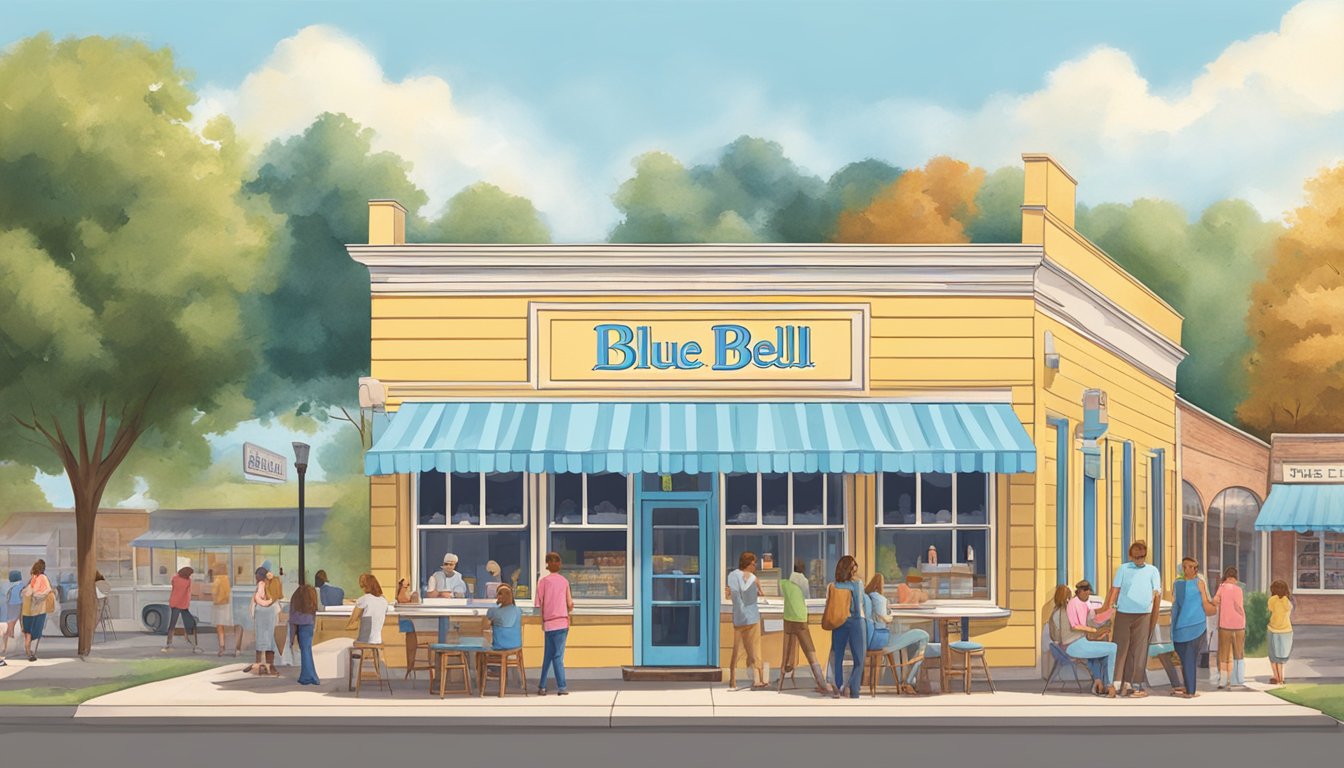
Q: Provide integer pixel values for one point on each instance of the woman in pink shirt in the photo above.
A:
(179, 605)
(1231, 629)
(555, 603)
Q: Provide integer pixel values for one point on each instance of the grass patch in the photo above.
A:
(1326, 698)
(137, 673)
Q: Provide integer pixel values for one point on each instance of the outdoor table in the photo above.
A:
(943, 614)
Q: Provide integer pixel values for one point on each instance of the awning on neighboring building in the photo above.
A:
(188, 528)
(850, 436)
(1302, 507)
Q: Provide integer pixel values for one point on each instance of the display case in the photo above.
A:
(601, 575)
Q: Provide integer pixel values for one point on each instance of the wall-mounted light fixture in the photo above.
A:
(1051, 356)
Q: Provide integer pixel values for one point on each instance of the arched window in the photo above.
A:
(1192, 523)
(1231, 536)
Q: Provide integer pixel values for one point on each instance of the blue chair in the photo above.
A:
(1062, 660)
(969, 651)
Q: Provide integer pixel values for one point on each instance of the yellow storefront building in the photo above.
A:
(997, 418)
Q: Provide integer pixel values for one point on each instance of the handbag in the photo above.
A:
(837, 608)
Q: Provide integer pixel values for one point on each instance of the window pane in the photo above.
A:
(740, 499)
(567, 499)
(593, 561)
(475, 549)
(935, 500)
(807, 493)
(607, 494)
(972, 498)
(244, 568)
(1308, 561)
(680, 482)
(772, 549)
(433, 498)
(1193, 539)
(835, 499)
(899, 550)
(774, 499)
(1333, 558)
(466, 498)
(674, 625)
(969, 576)
(504, 498)
(819, 551)
(898, 498)
(1214, 545)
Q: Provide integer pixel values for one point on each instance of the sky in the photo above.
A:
(1190, 101)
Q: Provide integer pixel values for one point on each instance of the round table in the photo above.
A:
(942, 614)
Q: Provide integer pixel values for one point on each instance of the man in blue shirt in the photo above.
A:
(1134, 592)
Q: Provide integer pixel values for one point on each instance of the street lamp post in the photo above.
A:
(301, 464)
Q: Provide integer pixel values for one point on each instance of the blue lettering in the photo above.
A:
(762, 354)
(622, 344)
(685, 361)
(738, 346)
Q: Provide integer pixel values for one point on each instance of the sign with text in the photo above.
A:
(1313, 473)
(261, 464)
(699, 346)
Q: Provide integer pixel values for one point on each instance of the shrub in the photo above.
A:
(1257, 619)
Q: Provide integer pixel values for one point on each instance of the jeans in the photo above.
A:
(188, 621)
(554, 654)
(1084, 648)
(307, 672)
(853, 635)
(1189, 652)
(917, 640)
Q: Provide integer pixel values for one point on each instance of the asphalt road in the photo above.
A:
(25, 742)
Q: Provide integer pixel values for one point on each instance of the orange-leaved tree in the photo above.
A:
(1297, 320)
(932, 204)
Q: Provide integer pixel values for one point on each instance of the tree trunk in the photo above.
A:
(86, 511)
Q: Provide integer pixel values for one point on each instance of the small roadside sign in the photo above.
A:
(261, 464)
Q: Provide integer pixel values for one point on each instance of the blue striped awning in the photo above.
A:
(551, 436)
(1302, 507)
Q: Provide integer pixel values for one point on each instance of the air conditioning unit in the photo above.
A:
(372, 393)
(1095, 418)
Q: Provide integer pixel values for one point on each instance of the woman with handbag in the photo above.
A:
(265, 612)
(845, 599)
(38, 601)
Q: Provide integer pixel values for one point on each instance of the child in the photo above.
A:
(1280, 629)
(1231, 630)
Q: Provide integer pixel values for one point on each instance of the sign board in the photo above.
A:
(1313, 473)
(699, 346)
(261, 464)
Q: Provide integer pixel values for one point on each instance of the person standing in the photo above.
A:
(795, 590)
(36, 597)
(1231, 630)
(13, 609)
(1280, 629)
(555, 602)
(853, 632)
(221, 606)
(1190, 609)
(302, 619)
(744, 589)
(264, 613)
(1136, 589)
(179, 607)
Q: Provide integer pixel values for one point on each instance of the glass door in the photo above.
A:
(673, 612)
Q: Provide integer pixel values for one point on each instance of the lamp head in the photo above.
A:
(301, 454)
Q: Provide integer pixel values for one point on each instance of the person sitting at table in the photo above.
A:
(504, 621)
(370, 611)
(1078, 628)
(887, 635)
(447, 582)
(328, 594)
(912, 591)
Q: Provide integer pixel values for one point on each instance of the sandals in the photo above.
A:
(908, 689)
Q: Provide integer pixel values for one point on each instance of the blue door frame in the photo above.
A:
(706, 653)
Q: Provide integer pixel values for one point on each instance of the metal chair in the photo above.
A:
(105, 619)
(1063, 659)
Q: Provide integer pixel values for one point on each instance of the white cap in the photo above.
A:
(449, 558)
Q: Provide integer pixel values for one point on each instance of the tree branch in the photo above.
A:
(358, 425)
(83, 435)
(102, 432)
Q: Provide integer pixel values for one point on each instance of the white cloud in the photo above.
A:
(451, 145)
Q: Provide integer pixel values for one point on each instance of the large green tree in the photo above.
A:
(1205, 270)
(126, 249)
(484, 213)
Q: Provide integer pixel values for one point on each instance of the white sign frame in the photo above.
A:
(1313, 472)
(259, 463)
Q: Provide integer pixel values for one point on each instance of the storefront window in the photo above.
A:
(501, 537)
(782, 518)
(476, 549)
(939, 525)
(1319, 561)
(1231, 537)
(1192, 523)
(590, 533)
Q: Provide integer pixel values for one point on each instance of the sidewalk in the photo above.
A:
(225, 693)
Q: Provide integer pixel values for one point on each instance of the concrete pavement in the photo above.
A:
(224, 693)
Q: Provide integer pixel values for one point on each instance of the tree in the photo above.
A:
(1296, 320)
(126, 249)
(929, 205)
(1205, 270)
(663, 203)
(19, 492)
(313, 328)
(999, 203)
(484, 213)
